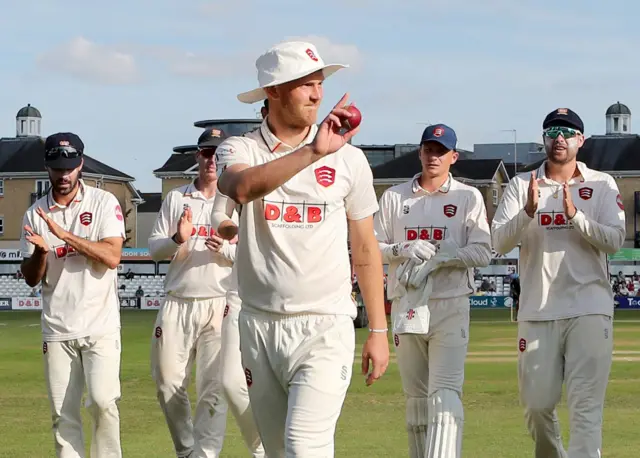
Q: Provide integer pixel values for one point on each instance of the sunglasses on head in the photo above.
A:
(566, 132)
(66, 151)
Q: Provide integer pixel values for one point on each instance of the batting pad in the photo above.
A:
(417, 422)
(446, 418)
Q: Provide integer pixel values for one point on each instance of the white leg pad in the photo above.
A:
(446, 419)
(417, 423)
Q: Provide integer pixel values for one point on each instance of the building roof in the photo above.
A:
(177, 163)
(24, 155)
(29, 112)
(152, 202)
(408, 165)
(618, 109)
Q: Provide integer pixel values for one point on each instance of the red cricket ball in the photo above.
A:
(355, 119)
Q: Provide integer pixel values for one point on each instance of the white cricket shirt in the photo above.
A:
(454, 211)
(563, 264)
(195, 272)
(79, 295)
(292, 249)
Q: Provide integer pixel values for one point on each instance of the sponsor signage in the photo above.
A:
(26, 303)
(151, 302)
(5, 303)
(490, 302)
(8, 254)
(624, 302)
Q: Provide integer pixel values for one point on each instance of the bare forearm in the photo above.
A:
(368, 268)
(103, 252)
(34, 268)
(255, 182)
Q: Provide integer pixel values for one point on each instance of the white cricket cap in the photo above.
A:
(287, 62)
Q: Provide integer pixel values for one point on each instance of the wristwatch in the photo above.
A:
(175, 239)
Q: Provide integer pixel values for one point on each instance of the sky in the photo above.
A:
(131, 77)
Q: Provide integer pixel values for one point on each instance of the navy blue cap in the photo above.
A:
(563, 117)
(442, 134)
(63, 150)
(211, 138)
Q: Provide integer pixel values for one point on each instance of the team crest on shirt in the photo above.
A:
(44, 348)
(585, 193)
(119, 214)
(619, 202)
(450, 210)
(325, 176)
(226, 311)
(86, 218)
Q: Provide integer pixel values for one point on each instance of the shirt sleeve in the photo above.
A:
(232, 151)
(477, 252)
(26, 248)
(361, 200)
(161, 244)
(510, 219)
(383, 227)
(608, 232)
(112, 221)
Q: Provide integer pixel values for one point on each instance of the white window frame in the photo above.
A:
(45, 184)
(1, 186)
(494, 195)
(1, 225)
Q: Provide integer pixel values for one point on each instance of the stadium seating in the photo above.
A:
(152, 285)
(502, 282)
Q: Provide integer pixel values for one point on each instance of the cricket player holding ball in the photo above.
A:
(437, 227)
(188, 327)
(72, 242)
(304, 193)
(567, 218)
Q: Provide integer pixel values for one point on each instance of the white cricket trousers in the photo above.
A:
(432, 371)
(68, 366)
(577, 351)
(188, 331)
(298, 369)
(233, 378)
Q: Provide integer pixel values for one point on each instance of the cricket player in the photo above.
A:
(416, 220)
(304, 192)
(567, 218)
(72, 243)
(188, 327)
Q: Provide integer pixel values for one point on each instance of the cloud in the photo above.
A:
(91, 62)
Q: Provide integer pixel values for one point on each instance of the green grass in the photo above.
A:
(372, 422)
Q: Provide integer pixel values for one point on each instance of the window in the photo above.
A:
(32, 127)
(494, 195)
(1, 225)
(42, 186)
(624, 125)
(616, 124)
(1, 187)
(23, 126)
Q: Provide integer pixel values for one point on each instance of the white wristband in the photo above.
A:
(378, 330)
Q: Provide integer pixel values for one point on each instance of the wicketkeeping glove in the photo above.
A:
(418, 250)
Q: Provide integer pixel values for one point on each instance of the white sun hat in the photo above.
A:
(287, 62)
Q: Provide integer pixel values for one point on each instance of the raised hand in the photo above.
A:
(569, 208)
(532, 197)
(185, 225)
(36, 240)
(329, 139)
(51, 224)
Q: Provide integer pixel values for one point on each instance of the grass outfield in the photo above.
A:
(372, 422)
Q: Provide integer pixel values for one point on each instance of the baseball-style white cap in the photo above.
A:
(287, 62)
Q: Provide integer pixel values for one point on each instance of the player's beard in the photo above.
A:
(562, 156)
(64, 186)
(299, 116)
